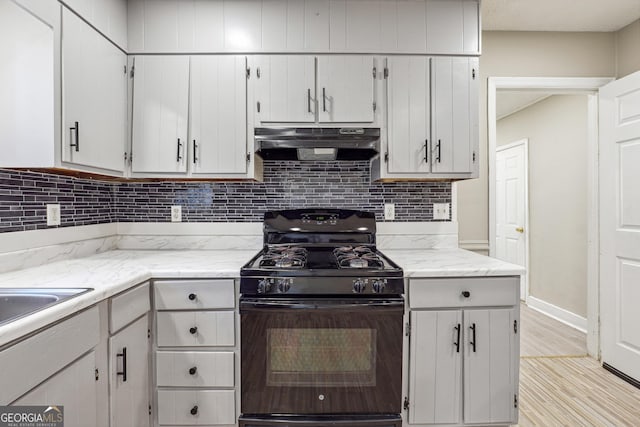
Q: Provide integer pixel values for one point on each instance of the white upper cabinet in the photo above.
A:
(453, 27)
(94, 82)
(218, 130)
(346, 87)
(448, 27)
(454, 147)
(27, 88)
(284, 88)
(409, 114)
(160, 108)
(108, 16)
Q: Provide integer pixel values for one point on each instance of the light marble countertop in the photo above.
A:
(112, 272)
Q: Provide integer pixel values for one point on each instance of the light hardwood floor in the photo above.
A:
(561, 386)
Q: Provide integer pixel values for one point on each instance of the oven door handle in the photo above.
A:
(266, 304)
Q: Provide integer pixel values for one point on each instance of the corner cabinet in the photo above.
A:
(308, 89)
(129, 358)
(463, 351)
(432, 119)
(94, 83)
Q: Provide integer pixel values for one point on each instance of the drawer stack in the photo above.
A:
(195, 352)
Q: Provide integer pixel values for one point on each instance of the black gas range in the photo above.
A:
(321, 321)
(304, 247)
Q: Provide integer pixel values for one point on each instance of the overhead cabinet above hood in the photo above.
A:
(317, 143)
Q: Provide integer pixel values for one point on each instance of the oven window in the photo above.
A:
(321, 357)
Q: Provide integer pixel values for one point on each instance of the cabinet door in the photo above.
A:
(455, 107)
(129, 352)
(435, 361)
(160, 107)
(94, 97)
(490, 366)
(75, 388)
(218, 132)
(346, 89)
(285, 89)
(409, 114)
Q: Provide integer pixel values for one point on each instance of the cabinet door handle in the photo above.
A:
(77, 143)
(179, 147)
(324, 100)
(124, 364)
(195, 152)
(193, 330)
(457, 343)
(308, 100)
(473, 337)
(192, 297)
(194, 410)
(438, 147)
(426, 151)
(192, 371)
(466, 294)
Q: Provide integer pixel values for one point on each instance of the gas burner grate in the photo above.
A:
(284, 257)
(357, 257)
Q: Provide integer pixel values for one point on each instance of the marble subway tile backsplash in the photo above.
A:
(24, 195)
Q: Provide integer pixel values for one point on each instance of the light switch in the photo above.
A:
(441, 211)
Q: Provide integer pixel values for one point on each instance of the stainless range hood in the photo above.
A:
(317, 143)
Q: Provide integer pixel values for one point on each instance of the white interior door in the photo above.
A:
(620, 224)
(511, 207)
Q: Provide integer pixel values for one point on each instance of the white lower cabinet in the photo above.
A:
(196, 407)
(196, 352)
(464, 351)
(129, 358)
(74, 388)
(129, 375)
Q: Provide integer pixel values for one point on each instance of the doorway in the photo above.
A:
(588, 87)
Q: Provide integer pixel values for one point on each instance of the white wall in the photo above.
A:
(628, 49)
(525, 54)
(557, 132)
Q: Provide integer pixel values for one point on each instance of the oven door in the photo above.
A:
(321, 356)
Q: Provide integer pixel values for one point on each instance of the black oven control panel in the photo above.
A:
(322, 285)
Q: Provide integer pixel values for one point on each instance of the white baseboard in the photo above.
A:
(560, 314)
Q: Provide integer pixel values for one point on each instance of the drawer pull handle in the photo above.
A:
(457, 343)
(193, 330)
(466, 294)
(194, 410)
(124, 364)
(192, 297)
(192, 371)
(473, 337)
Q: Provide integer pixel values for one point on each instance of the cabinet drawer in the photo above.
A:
(211, 407)
(195, 328)
(29, 362)
(194, 294)
(195, 369)
(450, 292)
(128, 306)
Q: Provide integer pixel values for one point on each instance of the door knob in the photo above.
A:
(520, 229)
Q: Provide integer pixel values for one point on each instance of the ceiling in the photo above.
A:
(558, 15)
(511, 101)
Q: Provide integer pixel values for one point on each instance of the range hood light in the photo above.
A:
(317, 153)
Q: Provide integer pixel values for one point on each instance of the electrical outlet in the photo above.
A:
(176, 213)
(389, 211)
(53, 214)
(441, 211)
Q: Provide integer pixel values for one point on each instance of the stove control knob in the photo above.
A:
(284, 285)
(264, 286)
(378, 286)
(359, 286)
